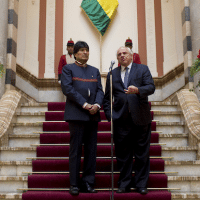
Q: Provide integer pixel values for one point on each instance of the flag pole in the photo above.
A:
(100, 53)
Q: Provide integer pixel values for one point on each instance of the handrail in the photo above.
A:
(190, 106)
(8, 106)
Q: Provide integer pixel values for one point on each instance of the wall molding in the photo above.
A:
(160, 82)
(48, 89)
(53, 83)
(34, 81)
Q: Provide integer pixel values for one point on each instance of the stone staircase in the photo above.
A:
(14, 164)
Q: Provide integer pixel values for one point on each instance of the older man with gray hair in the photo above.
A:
(132, 83)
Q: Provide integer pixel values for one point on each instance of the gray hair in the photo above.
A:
(130, 51)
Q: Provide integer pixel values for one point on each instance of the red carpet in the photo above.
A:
(60, 179)
(50, 195)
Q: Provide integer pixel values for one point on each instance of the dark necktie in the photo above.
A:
(126, 78)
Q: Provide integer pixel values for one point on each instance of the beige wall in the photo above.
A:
(27, 51)
(102, 49)
(50, 40)
(78, 27)
(178, 30)
(169, 36)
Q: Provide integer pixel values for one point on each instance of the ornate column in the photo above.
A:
(50, 40)
(195, 27)
(151, 39)
(11, 44)
(3, 43)
(187, 42)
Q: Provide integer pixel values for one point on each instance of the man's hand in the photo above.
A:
(59, 81)
(131, 90)
(93, 110)
(88, 106)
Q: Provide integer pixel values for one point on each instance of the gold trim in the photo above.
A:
(67, 158)
(99, 189)
(67, 172)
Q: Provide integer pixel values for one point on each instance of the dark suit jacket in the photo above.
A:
(136, 104)
(75, 82)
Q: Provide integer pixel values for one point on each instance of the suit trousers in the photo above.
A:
(82, 132)
(130, 140)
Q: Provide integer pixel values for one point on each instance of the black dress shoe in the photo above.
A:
(123, 190)
(74, 190)
(142, 190)
(87, 188)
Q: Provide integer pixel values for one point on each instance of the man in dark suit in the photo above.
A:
(81, 83)
(132, 84)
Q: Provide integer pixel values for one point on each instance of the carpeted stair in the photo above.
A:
(50, 178)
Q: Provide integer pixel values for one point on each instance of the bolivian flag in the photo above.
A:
(100, 12)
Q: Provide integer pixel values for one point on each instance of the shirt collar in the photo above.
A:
(124, 68)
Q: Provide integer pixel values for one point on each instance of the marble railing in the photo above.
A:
(8, 105)
(190, 106)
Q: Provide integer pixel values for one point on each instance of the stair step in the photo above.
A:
(185, 196)
(30, 117)
(14, 168)
(163, 116)
(102, 181)
(29, 128)
(17, 153)
(10, 196)
(12, 183)
(189, 168)
(26, 140)
(180, 153)
(168, 116)
(26, 128)
(184, 168)
(174, 195)
(62, 195)
(170, 127)
(164, 106)
(185, 183)
(21, 153)
(174, 140)
(34, 107)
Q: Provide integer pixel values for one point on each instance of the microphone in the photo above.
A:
(111, 65)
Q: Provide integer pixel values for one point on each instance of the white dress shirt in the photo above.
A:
(123, 71)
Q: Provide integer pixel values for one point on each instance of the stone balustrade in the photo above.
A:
(190, 106)
(8, 105)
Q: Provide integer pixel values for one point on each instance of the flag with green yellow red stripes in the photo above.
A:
(100, 12)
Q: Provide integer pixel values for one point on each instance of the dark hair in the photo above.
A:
(80, 44)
